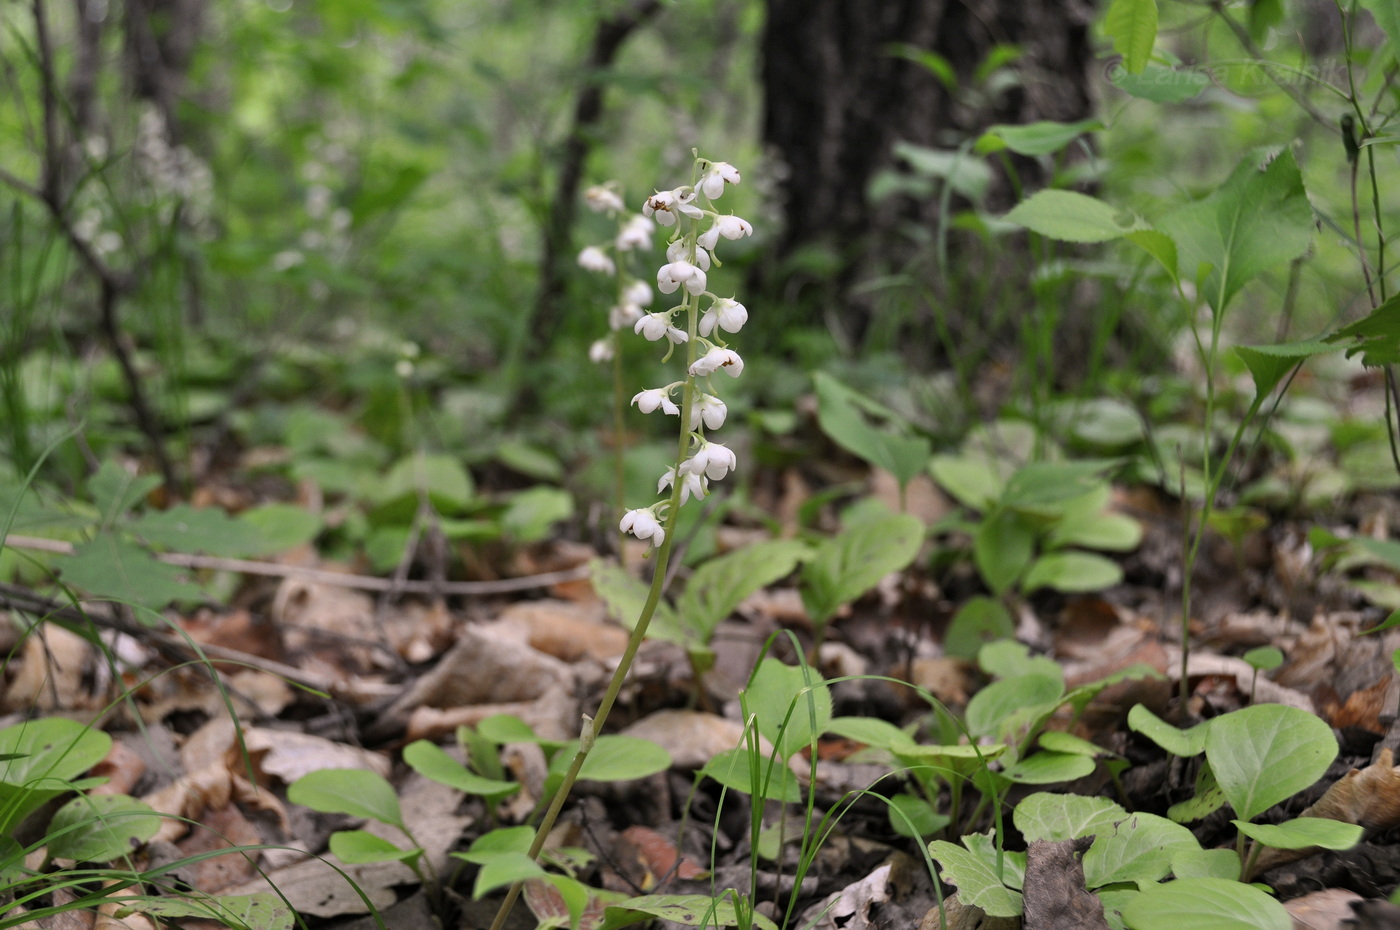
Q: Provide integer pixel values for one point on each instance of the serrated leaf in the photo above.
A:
(1376, 337)
(204, 529)
(1269, 364)
(110, 567)
(357, 792)
(1070, 216)
(977, 880)
(847, 566)
(718, 586)
(1072, 572)
(114, 490)
(264, 911)
(1205, 904)
(1055, 817)
(1267, 753)
(1303, 833)
(1158, 245)
(101, 827)
(850, 419)
(1132, 24)
(1139, 849)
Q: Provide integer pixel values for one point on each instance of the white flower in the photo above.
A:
(595, 259)
(656, 325)
(710, 409)
(712, 184)
(642, 524)
(647, 402)
(601, 351)
(678, 251)
(715, 359)
(666, 206)
(714, 460)
(637, 292)
(674, 274)
(624, 314)
(602, 199)
(730, 227)
(725, 312)
(696, 486)
(635, 234)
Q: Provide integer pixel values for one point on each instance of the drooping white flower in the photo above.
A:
(635, 234)
(714, 460)
(602, 199)
(623, 315)
(730, 227)
(595, 259)
(709, 409)
(647, 401)
(726, 313)
(666, 206)
(673, 274)
(696, 486)
(600, 351)
(643, 525)
(678, 252)
(655, 326)
(718, 359)
(637, 292)
(720, 173)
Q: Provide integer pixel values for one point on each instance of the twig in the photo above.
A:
(323, 576)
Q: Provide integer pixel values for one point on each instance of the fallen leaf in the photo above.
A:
(288, 754)
(692, 737)
(1322, 910)
(852, 907)
(565, 630)
(659, 858)
(1054, 893)
(123, 768)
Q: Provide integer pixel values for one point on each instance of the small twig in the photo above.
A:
(323, 576)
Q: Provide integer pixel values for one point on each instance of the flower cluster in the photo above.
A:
(697, 229)
(634, 233)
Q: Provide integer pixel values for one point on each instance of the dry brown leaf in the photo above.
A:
(566, 630)
(692, 737)
(335, 625)
(225, 828)
(288, 754)
(1054, 892)
(188, 797)
(959, 916)
(418, 631)
(851, 907)
(661, 861)
(1365, 708)
(1369, 797)
(122, 767)
(51, 673)
(552, 715)
(947, 679)
(1322, 910)
(234, 629)
(547, 904)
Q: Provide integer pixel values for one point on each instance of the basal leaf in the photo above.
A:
(775, 781)
(264, 911)
(429, 760)
(1205, 904)
(977, 880)
(1266, 753)
(792, 704)
(625, 596)
(1002, 548)
(1303, 833)
(718, 586)
(614, 757)
(357, 792)
(1055, 817)
(1184, 743)
(1072, 572)
(1007, 705)
(968, 479)
(1049, 768)
(1139, 849)
(691, 910)
(869, 429)
(980, 620)
(101, 827)
(359, 846)
(442, 479)
(850, 564)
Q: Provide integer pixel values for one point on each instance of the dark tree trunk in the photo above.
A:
(837, 99)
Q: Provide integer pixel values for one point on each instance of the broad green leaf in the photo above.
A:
(1007, 705)
(49, 749)
(1376, 337)
(976, 879)
(1139, 849)
(1059, 741)
(869, 730)
(1002, 547)
(848, 565)
(1132, 24)
(1260, 217)
(718, 586)
(1072, 572)
(1007, 658)
(1264, 658)
(114, 490)
(912, 816)
(1178, 742)
(496, 842)
(1033, 139)
(1038, 487)
(263, 911)
(1267, 753)
(850, 418)
(1206, 799)
(1049, 768)
(789, 712)
(969, 479)
(1270, 364)
(532, 461)
(108, 566)
(205, 529)
(1055, 817)
(625, 596)
(1101, 422)
(1390, 622)
(1112, 532)
(959, 758)
(1162, 85)
(1069, 216)
(614, 757)
(507, 728)
(429, 760)
(1205, 904)
(1158, 245)
(283, 526)
(101, 827)
(441, 478)
(731, 769)
(504, 869)
(358, 846)
(691, 910)
(532, 513)
(1387, 16)
(357, 792)
(1303, 833)
(1206, 863)
(979, 621)
(968, 176)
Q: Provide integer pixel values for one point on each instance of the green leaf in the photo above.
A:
(1184, 743)
(911, 816)
(108, 566)
(1206, 863)
(357, 792)
(358, 846)
(1267, 753)
(850, 564)
(977, 880)
(532, 513)
(980, 620)
(1055, 817)
(1390, 622)
(1002, 548)
(1376, 336)
(1036, 488)
(264, 911)
(1034, 139)
(1158, 245)
(1101, 422)
(498, 841)
(625, 596)
(1260, 217)
(40, 760)
(1059, 741)
(1072, 572)
(1139, 849)
(1113, 532)
(441, 478)
(1270, 364)
(206, 529)
(429, 760)
(114, 490)
(790, 712)
(1050, 768)
(1007, 658)
(1162, 85)
(691, 910)
(1264, 658)
(1132, 24)
(282, 526)
(718, 586)
(967, 176)
(1005, 706)
(1206, 799)
(849, 418)
(101, 827)
(968, 479)
(1303, 833)
(731, 769)
(504, 869)
(1205, 904)
(614, 757)
(869, 730)
(1069, 216)
(1387, 16)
